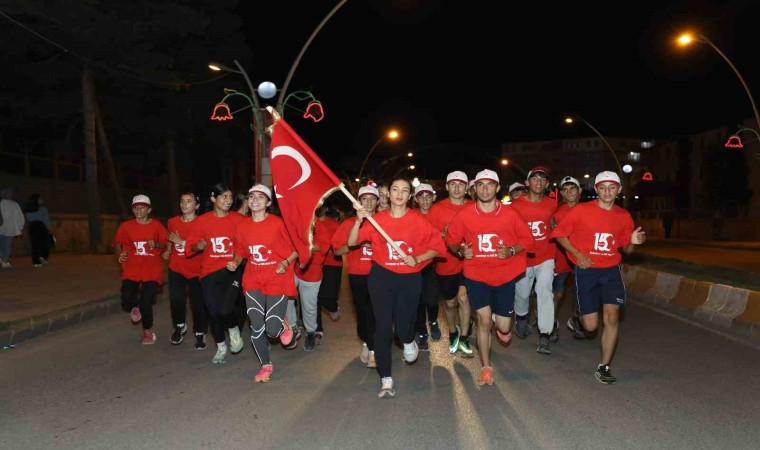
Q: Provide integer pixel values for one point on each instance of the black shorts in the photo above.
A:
(500, 298)
(448, 285)
(595, 287)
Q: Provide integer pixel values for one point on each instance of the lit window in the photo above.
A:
(634, 156)
(647, 144)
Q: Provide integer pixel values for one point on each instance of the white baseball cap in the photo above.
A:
(517, 185)
(607, 176)
(140, 200)
(260, 188)
(570, 180)
(470, 184)
(368, 190)
(423, 187)
(487, 175)
(457, 175)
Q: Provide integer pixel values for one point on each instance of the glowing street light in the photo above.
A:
(410, 154)
(392, 135)
(687, 39)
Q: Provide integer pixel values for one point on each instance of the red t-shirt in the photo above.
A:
(485, 231)
(537, 215)
(219, 234)
(143, 263)
(185, 263)
(597, 232)
(358, 260)
(313, 270)
(331, 225)
(265, 245)
(561, 263)
(440, 216)
(412, 232)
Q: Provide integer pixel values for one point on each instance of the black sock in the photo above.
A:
(452, 335)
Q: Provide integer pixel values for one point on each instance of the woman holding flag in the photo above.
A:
(394, 281)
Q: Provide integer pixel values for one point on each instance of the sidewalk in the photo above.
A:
(71, 289)
(732, 245)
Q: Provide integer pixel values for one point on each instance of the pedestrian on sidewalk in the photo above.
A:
(184, 272)
(11, 225)
(138, 244)
(594, 234)
(40, 236)
(394, 282)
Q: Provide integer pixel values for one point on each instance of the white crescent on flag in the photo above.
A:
(285, 150)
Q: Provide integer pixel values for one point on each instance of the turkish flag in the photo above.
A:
(301, 183)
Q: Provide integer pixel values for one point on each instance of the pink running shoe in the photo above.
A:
(135, 315)
(264, 374)
(286, 337)
(149, 337)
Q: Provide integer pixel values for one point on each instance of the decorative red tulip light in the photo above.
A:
(647, 176)
(221, 112)
(734, 142)
(314, 111)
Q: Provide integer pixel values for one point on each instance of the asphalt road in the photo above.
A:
(745, 259)
(95, 387)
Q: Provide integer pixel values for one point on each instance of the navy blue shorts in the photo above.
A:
(595, 287)
(501, 298)
(559, 282)
(448, 285)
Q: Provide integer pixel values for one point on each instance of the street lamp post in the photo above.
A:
(686, 39)
(392, 135)
(506, 162)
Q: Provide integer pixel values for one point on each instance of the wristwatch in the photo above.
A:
(511, 251)
(460, 254)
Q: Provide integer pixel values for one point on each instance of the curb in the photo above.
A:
(31, 328)
(731, 310)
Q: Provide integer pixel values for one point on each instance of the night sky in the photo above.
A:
(474, 74)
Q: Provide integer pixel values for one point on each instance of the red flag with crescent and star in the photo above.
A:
(301, 183)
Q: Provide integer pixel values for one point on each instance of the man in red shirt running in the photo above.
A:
(593, 234)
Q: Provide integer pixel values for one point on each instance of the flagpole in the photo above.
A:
(379, 229)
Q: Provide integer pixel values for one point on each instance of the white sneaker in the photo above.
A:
(5, 265)
(364, 354)
(236, 342)
(386, 388)
(43, 261)
(371, 363)
(221, 354)
(410, 352)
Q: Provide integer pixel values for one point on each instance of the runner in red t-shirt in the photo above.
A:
(268, 280)
(424, 196)
(394, 282)
(593, 234)
(184, 269)
(213, 234)
(492, 239)
(358, 260)
(332, 272)
(449, 267)
(537, 211)
(570, 189)
(138, 244)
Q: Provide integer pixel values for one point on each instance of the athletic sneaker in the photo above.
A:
(318, 337)
(422, 343)
(410, 352)
(335, 315)
(371, 363)
(43, 261)
(221, 354)
(236, 342)
(435, 331)
(200, 341)
(554, 335)
(486, 376)
(298, 331)
(37, 265)
(264, 374)
(386, 388)
(604, 375)
(5, 264)
(543, 344)
(135, 315)
(179, 334)
(364, 353)
(454, 340)
(522, 330)
(148, 338)
(287, 335)
(309, 343)
(575, 327)
(464, 348)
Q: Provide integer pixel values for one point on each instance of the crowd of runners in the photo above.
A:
(501, 269)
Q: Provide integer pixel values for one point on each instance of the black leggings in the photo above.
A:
(365, 318)
(178, 286)
(328, 291)
(394, 299)
(266, 313)
(39, 237)
(428, 300)
(221, 291)
(130, 299)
